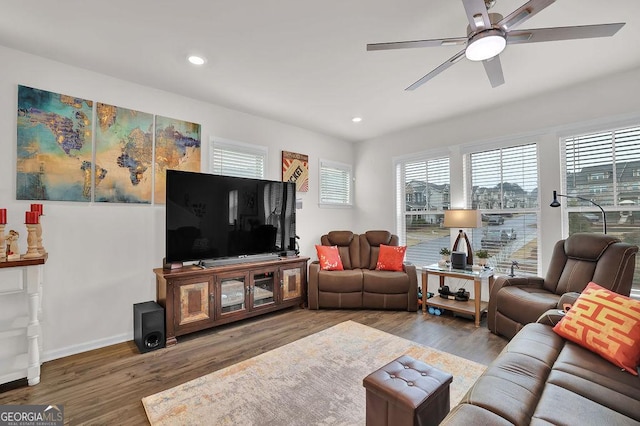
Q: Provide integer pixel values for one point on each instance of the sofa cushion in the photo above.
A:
(329, 258)
(348, 245)
(523, 304)
(390, 258)
(606, 323)
(389, 282)
(340, 281)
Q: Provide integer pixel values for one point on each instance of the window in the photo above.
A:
(615, 155)
(504, 187)
(237, 159)
(422, 188)
(335, 183)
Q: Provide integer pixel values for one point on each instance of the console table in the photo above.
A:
(20, 332)
(475, 307)
(195, 298)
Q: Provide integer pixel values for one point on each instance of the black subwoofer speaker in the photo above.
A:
(148, 326)
(458, 260)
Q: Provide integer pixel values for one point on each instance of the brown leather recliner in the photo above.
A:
(360, 285)
(581, 258)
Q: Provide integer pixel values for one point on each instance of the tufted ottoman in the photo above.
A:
(407, 392)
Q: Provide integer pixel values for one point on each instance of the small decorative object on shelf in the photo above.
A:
(3, 222)
(32, 241)
(446, 256)
(39, 209)
(13, 252)
(483, 256)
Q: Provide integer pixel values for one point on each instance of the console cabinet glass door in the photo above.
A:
(234, 291)
(262, 288)
(194, 302)
(291, 283)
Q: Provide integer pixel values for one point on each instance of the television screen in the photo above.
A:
(213, 217)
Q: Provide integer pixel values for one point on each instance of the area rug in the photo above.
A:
(316, 380)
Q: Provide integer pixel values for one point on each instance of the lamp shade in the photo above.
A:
(462, 218)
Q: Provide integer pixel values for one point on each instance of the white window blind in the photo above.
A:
(422, 194)
(504, 187)
(604, 167)
(238, 159)
(335, 183)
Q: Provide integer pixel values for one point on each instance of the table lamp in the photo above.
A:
(462, 218)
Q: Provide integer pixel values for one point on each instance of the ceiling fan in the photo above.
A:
(489, 33)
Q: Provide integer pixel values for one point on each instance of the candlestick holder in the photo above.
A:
(3, 245)
(32, 241)
(41, 249)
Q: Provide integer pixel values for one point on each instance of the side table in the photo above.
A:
(475, 307)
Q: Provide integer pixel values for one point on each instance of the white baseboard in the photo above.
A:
(84, 347)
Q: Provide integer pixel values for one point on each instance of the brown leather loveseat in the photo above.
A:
(360, 285)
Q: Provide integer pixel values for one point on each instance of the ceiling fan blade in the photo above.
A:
(455, 58)
(523, 13)
(477, 14)
(494, 71)
(562, 33)
(417, 43)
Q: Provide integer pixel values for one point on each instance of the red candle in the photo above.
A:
(37, 208)
(31, 218)
(3, 216)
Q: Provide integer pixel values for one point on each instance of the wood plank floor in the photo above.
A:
(105, 386)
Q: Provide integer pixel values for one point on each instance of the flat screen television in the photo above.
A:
(227, 219)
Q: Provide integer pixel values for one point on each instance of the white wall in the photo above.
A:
(543, 119)
(101, 255)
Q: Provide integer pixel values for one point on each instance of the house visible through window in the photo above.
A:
(613, 154)
(336, 186)
(504, 187)
(422, 188)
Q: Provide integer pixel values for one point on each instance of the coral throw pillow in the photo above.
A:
(329, 258)
(390, 258)
(606, 323)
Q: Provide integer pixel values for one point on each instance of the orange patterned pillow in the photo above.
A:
(329, 258)
(606, 323)
(390, 258)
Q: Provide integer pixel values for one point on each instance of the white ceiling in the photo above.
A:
(305, 63)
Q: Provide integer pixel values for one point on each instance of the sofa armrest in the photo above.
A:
(501, 282)
(312, 285)
(568, 298)
(411, 272)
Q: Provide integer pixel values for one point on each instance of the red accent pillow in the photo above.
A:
(329, 258)
(606, 323)
(390, 258)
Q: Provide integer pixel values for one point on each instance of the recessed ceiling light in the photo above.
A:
(196, 60)
(356, 119)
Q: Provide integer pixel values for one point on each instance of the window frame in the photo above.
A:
(258, 151)
(336, 166)
(502, 265)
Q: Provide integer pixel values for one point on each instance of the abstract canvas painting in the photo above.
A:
(177, 148)
(124, 144)
(53, 146)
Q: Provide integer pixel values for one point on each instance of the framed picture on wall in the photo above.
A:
(295, 168)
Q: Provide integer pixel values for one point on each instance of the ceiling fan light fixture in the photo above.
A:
(485, 45)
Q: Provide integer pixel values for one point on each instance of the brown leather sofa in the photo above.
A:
(542, 379)
(360, 285)
(581, 258)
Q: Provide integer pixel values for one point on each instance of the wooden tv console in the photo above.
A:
(196, 298)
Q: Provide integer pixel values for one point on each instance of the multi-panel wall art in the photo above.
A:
(58, 161)
(177, 148)
(124, 145)
(54, 146)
